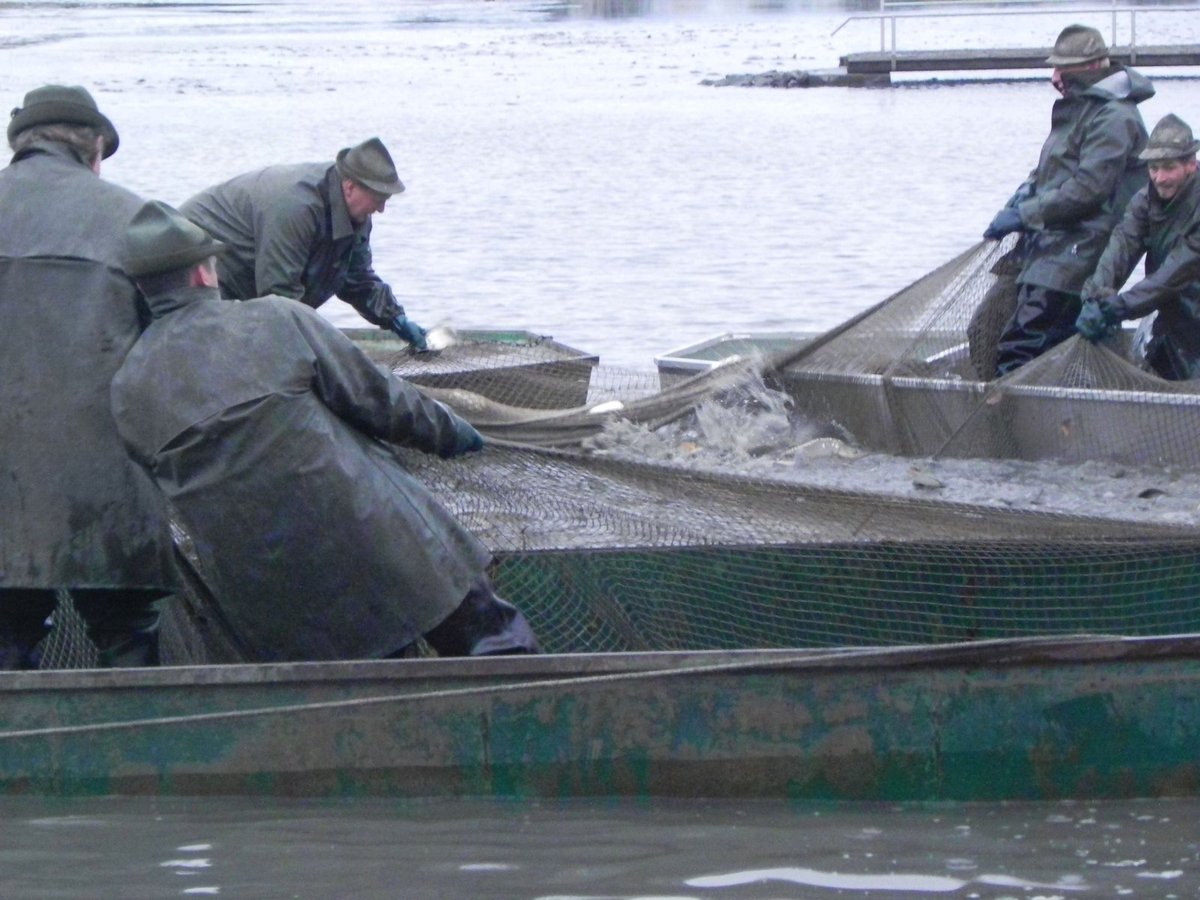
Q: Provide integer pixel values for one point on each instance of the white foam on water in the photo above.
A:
(892, 881)
(841, 881)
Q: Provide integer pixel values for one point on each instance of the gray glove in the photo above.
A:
(1101, 317)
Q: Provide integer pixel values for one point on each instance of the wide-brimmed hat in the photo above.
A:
(59, 104)
(160, 239)
(1076, 45)
(1170, 139)
(371, 166)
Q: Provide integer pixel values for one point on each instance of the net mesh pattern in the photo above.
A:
(608, 550)
(610, 554)
(912, 377)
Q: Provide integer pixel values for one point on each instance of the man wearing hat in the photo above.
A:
(1162, 224)
(1087, 173)
(304, 231)
(268, 431)
(77, 515)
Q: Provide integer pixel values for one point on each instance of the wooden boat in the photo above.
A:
(1079, 717)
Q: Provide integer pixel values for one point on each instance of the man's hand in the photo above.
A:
(1098, 294)
(1100, 317)
(410, 331)
(1006, 221)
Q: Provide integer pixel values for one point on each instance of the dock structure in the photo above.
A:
(875, 68)
(887, 61)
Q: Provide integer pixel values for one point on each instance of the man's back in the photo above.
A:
(268, 219)
(262, 424)
(77, 513)
(291, 231)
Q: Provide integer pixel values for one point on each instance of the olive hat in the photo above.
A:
(1170, 139)
(160, 239)
(58, 104)
(371, 166)
(1077, 45)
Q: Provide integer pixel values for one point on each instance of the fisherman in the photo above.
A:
(77, 515)
(1088, 171)
(304, 231)
(1163, 225)
(267, 430)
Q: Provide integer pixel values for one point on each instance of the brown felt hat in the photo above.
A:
(55, 104)
(1170, 139)
(1077, 45)
(371, 166)
(160, 239)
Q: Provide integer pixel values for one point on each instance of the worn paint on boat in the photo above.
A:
(1026, 719)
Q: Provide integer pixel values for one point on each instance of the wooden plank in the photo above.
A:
(982, 60)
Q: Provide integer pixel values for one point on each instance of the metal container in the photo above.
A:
(677, 365)
(517, 368)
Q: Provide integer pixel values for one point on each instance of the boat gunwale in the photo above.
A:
(997, 653)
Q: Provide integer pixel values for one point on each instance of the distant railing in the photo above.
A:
(888, 15)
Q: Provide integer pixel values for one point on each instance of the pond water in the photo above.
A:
(596, 850)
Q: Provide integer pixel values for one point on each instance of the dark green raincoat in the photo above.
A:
(1086, 175)
(289, 234)
(264, 426)
(74, 510)
(1168, 235)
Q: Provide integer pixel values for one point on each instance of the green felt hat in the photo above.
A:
(160, 239)
(55, 104)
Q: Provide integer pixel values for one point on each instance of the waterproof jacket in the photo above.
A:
(264, 427)
(1168, 235)
(75, 511)
(290, 235)
(1086, 175)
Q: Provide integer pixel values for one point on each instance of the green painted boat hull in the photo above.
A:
(1066, 718)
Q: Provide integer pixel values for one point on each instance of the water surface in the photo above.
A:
(596, 850)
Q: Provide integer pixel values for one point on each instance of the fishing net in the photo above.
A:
(632, 510)
(911, 377)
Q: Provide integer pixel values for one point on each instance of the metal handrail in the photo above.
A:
(885, 17)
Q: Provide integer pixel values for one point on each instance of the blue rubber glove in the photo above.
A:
(466, 440)
(410, 331)
(1006, 221)
(1100, 318)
